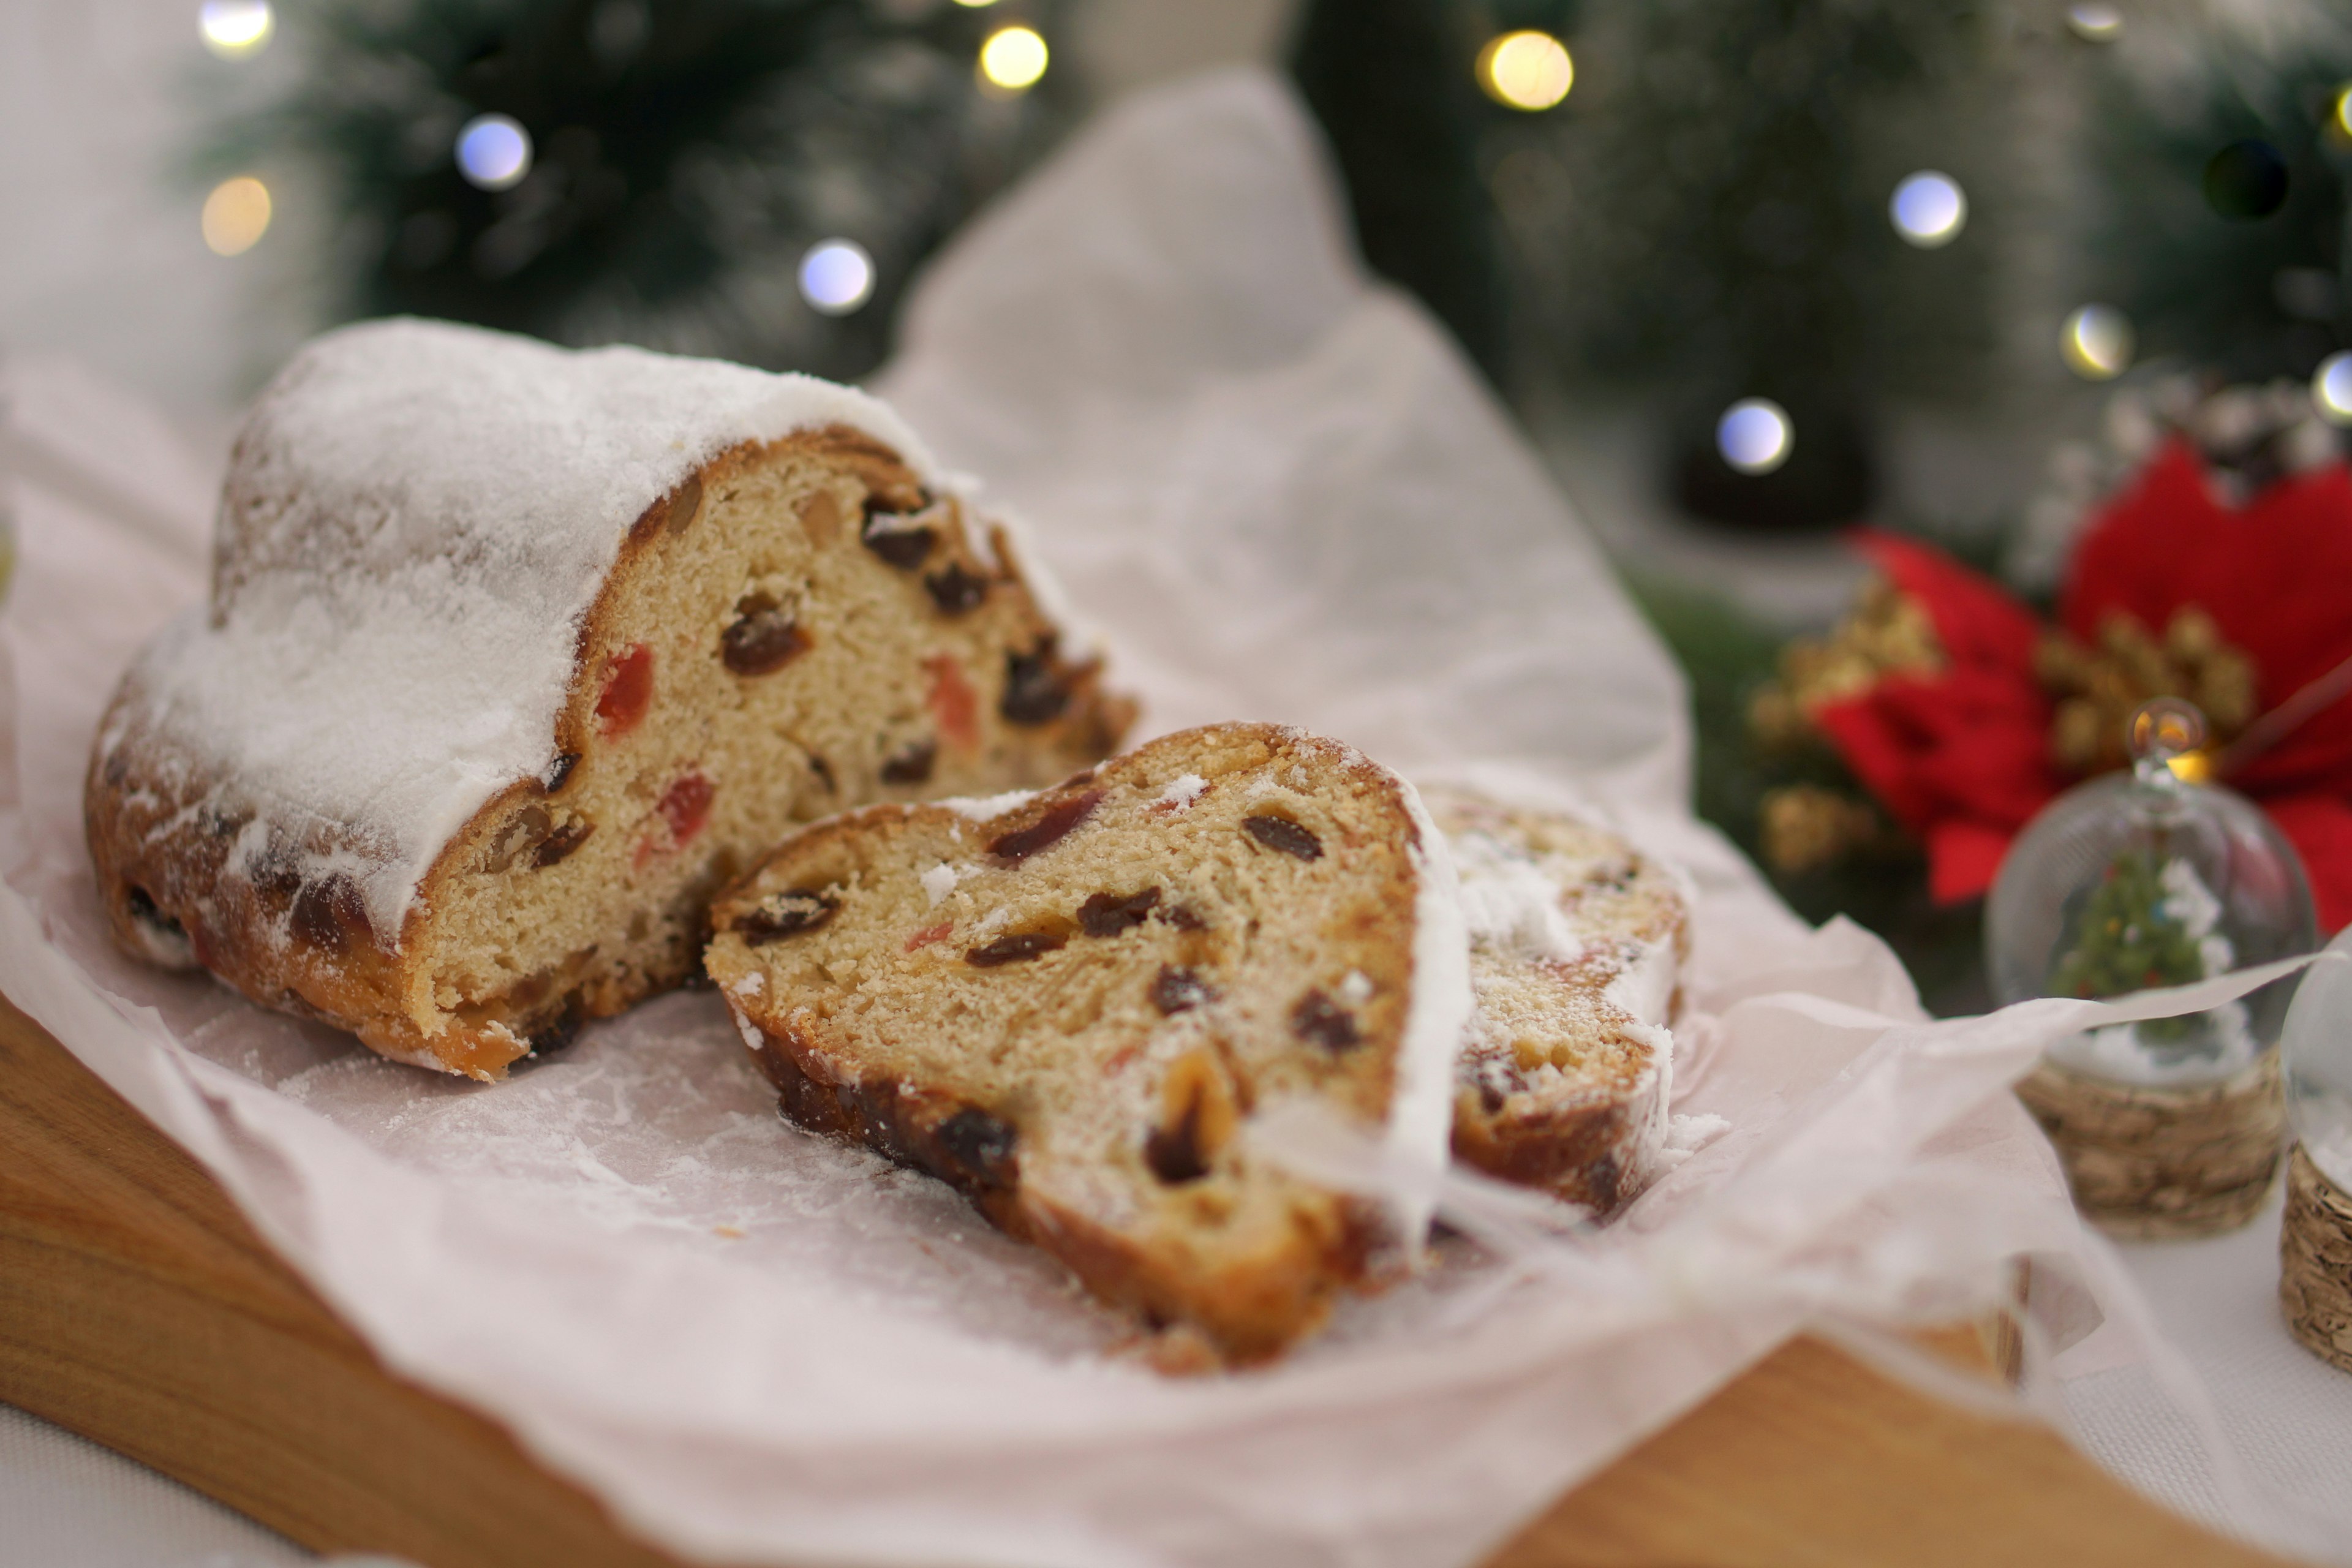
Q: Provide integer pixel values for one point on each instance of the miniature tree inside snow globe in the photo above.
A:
(2130, 882)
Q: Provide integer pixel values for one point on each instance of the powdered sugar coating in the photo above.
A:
(417, 519)
(1421, 1110)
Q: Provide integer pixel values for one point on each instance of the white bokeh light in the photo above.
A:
(2097, 342)
(836, 276)
(1755, 436)
(235, 28)
(1929, 209)
(1526, 70)
(493, 151)
(2094, 23)
(2331, 389)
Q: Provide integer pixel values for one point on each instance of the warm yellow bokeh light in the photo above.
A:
(1526, 71)
(237, 215)
(2342, 126)
(975, 5)
(1012, 58)
(235, 28)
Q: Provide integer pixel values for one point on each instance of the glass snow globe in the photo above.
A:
(2147, 878)
(2316, 1053)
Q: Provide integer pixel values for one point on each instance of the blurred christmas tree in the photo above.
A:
(2222, 198)
(653, 172)
(1705, 219)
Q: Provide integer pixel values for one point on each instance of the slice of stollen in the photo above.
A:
(1073, 1005)
(1576, 946)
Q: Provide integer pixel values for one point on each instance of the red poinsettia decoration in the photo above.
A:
(1961, 756)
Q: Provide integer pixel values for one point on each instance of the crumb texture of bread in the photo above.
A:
(515, 655)
(1072, 1005)
(1576, 945)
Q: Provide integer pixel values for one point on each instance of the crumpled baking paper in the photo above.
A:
(1285, 495)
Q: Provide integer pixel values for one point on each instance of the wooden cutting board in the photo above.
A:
(138, 1308)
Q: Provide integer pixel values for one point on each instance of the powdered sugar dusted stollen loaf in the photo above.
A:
(1576, 947)
(514, 654)
(1074, 1006)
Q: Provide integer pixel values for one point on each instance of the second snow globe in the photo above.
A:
(2136, 881)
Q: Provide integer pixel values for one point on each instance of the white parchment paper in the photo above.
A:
(1283, 495)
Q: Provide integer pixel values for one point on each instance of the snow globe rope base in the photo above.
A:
(2152, 1160)
(2315, 1261)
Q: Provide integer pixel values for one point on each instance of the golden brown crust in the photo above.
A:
(162, 847)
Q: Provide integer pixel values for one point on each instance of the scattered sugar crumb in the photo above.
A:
(728, 1231)
(1184, 791)
(981, 808)
(1356, 989)
(1686, 1135)
(941, 881)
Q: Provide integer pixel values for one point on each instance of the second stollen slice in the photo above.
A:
(1072, 1005)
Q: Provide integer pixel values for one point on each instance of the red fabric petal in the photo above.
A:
(2273, 577)
(1963, 858)
(2320, 828)
(1976, 621)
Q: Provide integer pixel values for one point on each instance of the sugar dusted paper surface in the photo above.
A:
(1294, 501)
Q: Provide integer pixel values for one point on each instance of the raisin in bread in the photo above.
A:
(1576, 946)
(513, 655)
(1072, 1006)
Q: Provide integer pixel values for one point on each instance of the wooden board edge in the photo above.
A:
(140, 1309)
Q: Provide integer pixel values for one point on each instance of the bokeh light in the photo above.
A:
(2246, 181)
(236, 215)
(493, 151)
(1012, 58)
(2331, 389)
(975, 5)
(836, 276)
(1929, 209)
(1526, 70)
(2094, 23)
(235, 28)
(1755, 436)
(2342, 126)
(2097, 342)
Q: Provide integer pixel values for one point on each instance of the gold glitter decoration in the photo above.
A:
(2098, 689)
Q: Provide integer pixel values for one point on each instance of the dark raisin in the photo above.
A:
(1014, 948)
(1178, 990)
(561, 1030)
(1174, 1152)
(1325, 1023)
(1034, 689)
(117, 768)
(1107, 914)
(1048, 830)
(145, 911)
(1184, 916)
(558, 771)
(956, 591)
(330, 911)
(562, 841)
(981, 1146)
(824, 771)
(780, 915)
(1281, 833)
(524, 832)
(911, 765)
(898, 543)
(763, 639)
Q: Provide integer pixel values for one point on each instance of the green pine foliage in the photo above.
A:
(687, 153)
(2124, 938)
(2251, 296)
